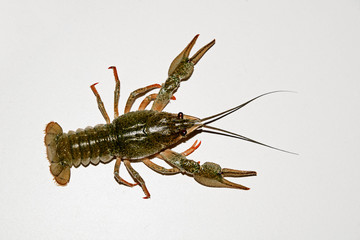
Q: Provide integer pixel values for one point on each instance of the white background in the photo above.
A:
(52, 51)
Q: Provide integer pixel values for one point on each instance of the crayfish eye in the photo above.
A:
(183, 132)
(180, 115)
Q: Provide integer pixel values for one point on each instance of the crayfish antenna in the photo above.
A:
(207, 120)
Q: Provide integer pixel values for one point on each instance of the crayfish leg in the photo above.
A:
(100, 103)
(191, 149)
(116, 92)
(117, 177)
(136, 94)
(159, 169)
(148, 99)
(137, 178)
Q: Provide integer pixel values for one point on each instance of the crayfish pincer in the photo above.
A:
(142, 135)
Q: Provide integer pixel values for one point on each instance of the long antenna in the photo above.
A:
(229, 111)
(235, 135)
(218, 116)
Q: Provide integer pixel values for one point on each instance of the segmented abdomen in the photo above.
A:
(92, 144)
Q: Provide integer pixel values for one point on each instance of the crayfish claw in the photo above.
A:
(184, 55)
(227, 172)
(199, 54)
(211, 175)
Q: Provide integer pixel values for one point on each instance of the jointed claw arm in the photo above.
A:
(180, 69)
(208, 174)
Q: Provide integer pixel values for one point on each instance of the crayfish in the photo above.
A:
(140, 136)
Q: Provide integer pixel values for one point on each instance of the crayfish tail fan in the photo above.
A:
(60, 171)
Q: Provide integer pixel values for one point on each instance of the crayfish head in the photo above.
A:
(166, 129)
(187, 124)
